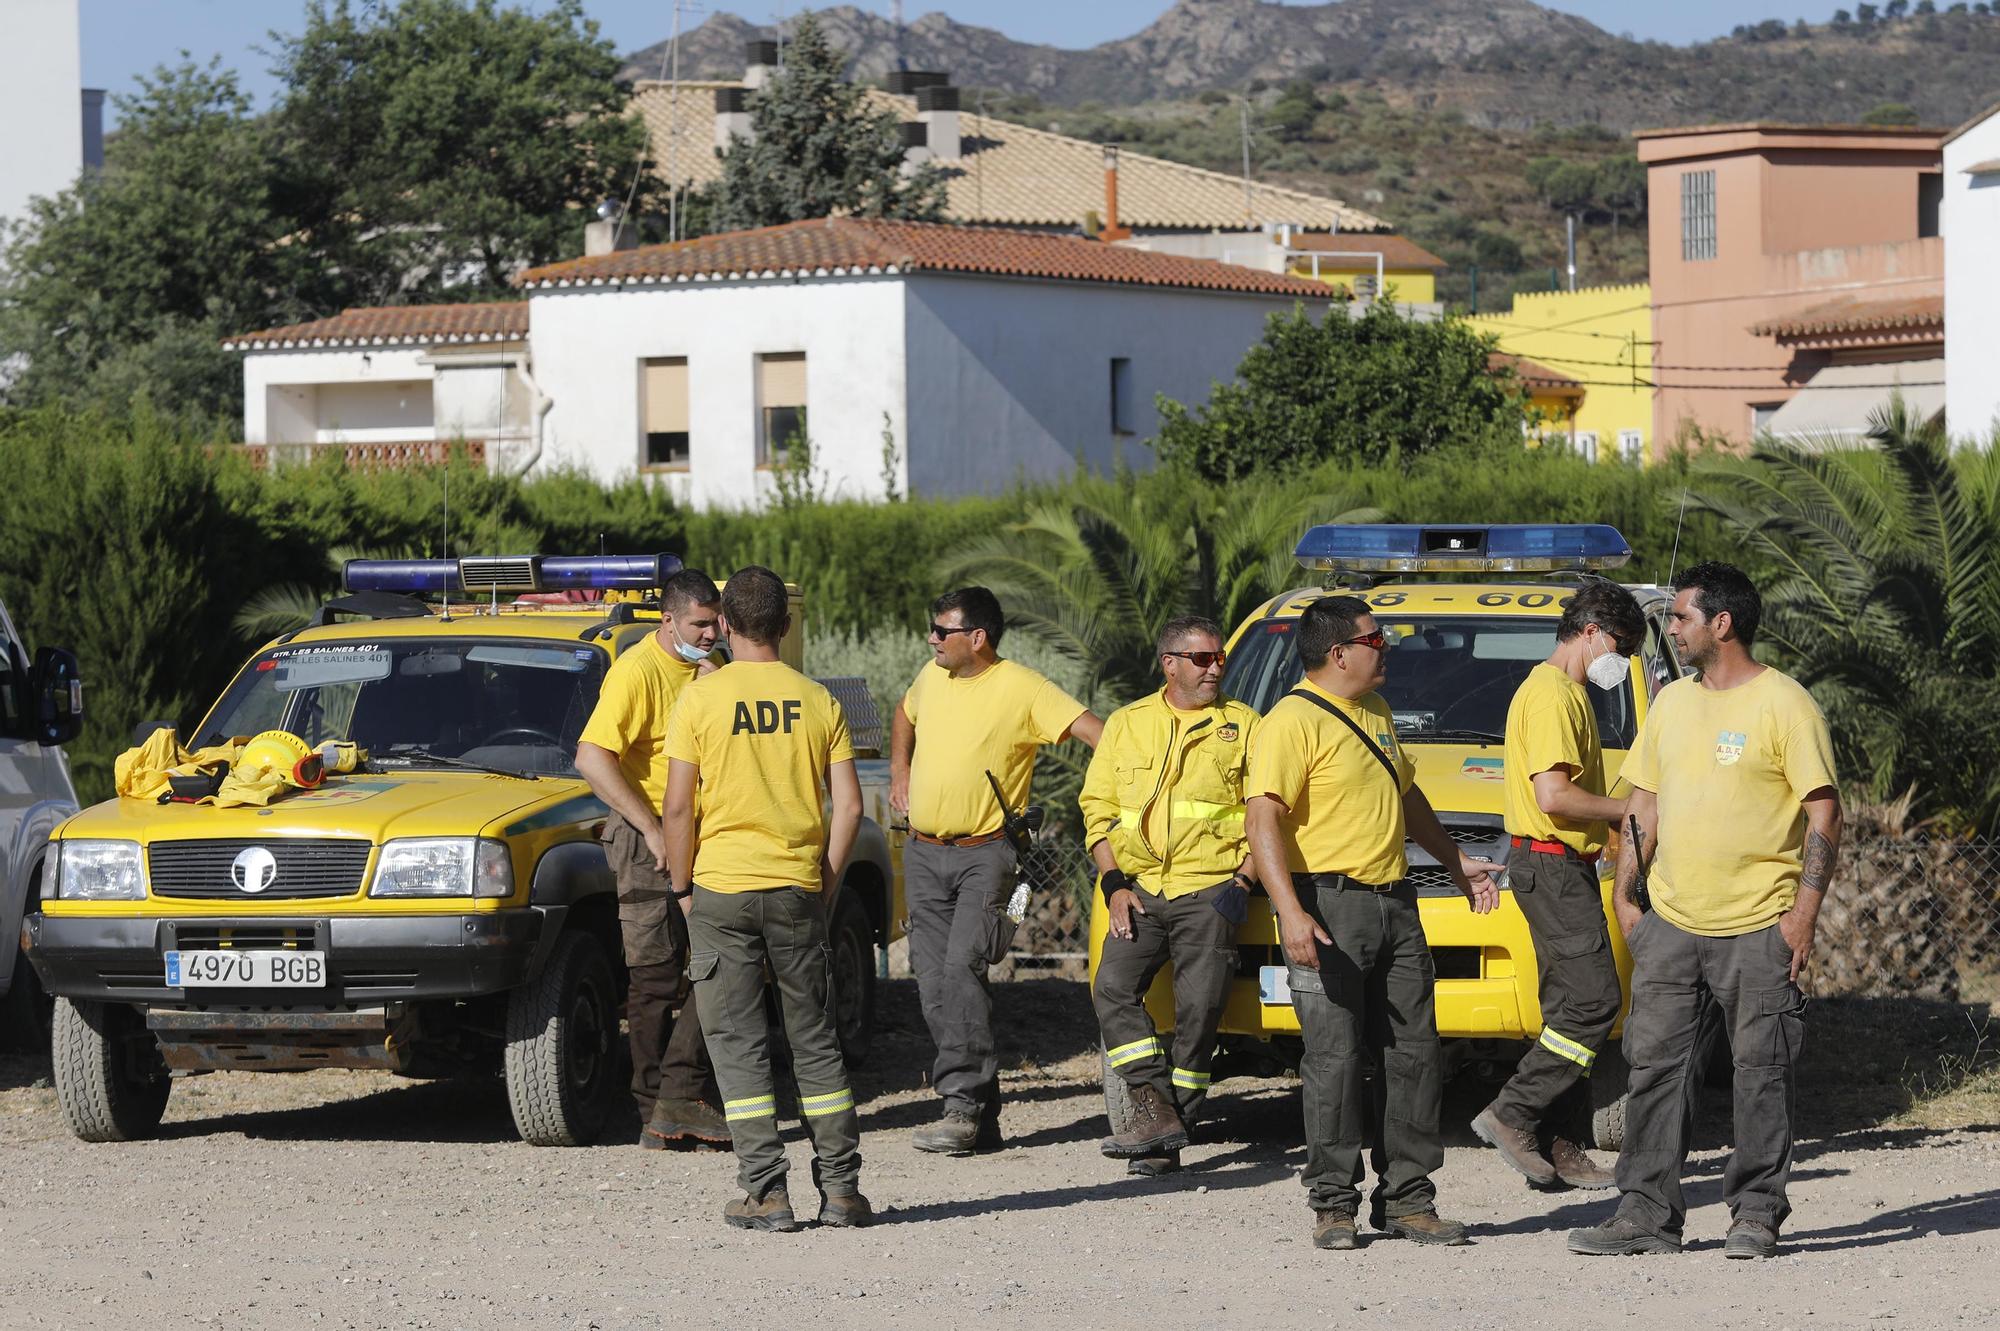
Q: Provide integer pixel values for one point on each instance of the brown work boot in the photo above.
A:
(1152, 1166)
(772, 1211)
(1155, 1128)
(845, 1210)
(1750, 1239)
(1334, 1231)
(1426, 1227)
(692, 1121)
(1575, 1167)
(957, 1133)
(1517, 1147)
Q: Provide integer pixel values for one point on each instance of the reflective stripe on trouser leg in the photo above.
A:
(1133, 1052)
(1187, 1079)
(818, 1106)
(1563, 1047)
(756, 1106)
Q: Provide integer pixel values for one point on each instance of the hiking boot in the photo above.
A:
(1750, 1238)
(1152, 1166)
(773, 1212)
(845, 1210)
(1516, 1146)
(1333, 1231)
(1619, 1237)
(684, 1121)
(1575, 1167)
(1426, 1227)
(957, 1133)
(1155, 1128)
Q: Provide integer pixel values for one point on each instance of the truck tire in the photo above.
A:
(109, 1079)
(1117, 1098)
(562, 1032)
(852, 940)
(1607, 1097)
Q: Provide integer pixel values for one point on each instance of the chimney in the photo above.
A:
(909, 82)
(611, 231)
(760, 61)
(732, 116)
(1111, 229)
(937, 108)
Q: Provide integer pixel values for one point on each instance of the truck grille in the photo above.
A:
(201, 869)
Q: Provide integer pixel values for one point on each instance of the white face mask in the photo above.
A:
(694, 655)
(1609, 670)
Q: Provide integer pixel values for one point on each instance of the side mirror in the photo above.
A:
(58, 689)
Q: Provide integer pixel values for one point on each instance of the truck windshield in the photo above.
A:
(1450, 679)
(508, 703)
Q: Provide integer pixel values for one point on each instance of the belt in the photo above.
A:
(1553, 848)
(982, 839)
(1347, 884)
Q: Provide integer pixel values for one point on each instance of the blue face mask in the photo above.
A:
(694, 655)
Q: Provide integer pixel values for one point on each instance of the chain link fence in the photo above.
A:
(1907, 917)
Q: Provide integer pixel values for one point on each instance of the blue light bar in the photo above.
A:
(480, 574)
(1477, 548)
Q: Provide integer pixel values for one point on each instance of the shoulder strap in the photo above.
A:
(1395, 777)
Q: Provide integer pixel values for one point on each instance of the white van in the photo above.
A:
(41, 708)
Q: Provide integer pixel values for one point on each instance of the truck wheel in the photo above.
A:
(561, 1031)
(1607, 1098)
(1117, 1098)
(853, 942)
(109, 1079)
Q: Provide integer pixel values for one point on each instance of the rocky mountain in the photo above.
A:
(1499, 63)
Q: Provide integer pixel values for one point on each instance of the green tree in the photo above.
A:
(1886, 600)
(1375, 387)
(122, 286)
(817, 149)
(426, 144)
(1619, 187)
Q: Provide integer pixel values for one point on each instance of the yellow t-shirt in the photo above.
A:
(630, 718)
(1550, 725)
(763, 736)
(992, 722)
(1730, 767)
(1345, 816)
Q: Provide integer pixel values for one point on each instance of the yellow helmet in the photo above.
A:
(285, 753)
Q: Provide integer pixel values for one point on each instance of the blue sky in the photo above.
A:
(123, 39)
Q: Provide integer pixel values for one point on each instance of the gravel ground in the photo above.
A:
(335, 1199)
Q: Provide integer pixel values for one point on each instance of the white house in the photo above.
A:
(962, 359)
(1971, 224)
(49, 123)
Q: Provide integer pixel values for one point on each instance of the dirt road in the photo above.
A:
(355, 1200)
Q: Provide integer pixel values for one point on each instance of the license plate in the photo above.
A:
(1274, 986)
(246, 968)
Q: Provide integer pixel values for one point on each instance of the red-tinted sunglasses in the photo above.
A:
(1202, 660)
(1378, 640)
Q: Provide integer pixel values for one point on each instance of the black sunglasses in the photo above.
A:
(941, 632)
(1201, 660)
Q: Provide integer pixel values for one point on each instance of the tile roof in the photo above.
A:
(397, 325)
(1012, 175)
(845, 246)
(1396, 251)
(1848, 315)
(1535, 375)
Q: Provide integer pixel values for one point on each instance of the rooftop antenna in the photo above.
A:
(902, 58)
(1249, 212)
(447, 532)
(1674, 559)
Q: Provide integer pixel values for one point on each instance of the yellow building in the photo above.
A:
(1600, 337)
(1362, 264)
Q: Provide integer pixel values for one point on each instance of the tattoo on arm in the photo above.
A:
(1818, 871)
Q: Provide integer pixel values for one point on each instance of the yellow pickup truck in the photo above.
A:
(1469, 610)
(445, 910)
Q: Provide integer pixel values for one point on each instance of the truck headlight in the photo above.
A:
(443, 867)
(100, 871)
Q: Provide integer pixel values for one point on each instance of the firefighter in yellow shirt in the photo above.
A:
(1733, 782)
(619, 754)
(1558, 819)
(1332, 794)
(763, 746)
(1163, 816)
(968, 713)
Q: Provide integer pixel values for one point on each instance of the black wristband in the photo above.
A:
(682, 896)
(1112, 881)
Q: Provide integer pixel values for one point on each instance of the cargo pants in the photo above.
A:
(1677, 979)
(1201, 945)
(1372, 998)
(733, 936)
(669, 1059)
(1550, 1090)
(957, 902)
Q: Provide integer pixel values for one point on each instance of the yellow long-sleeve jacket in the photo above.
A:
(1166, 788)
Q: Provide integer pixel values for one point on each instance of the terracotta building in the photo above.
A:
(1797, 275)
